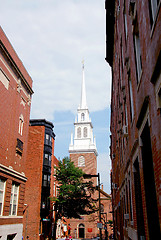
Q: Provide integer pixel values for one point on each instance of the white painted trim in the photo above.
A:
(12, 172)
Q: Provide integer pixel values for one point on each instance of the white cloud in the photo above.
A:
(51, 38)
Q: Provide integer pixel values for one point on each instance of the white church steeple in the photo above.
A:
(83, 93)
(83, 136)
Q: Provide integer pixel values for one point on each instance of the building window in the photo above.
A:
(81, 161)
(54, 190)
(48, 139)
(137, 52)
(79, 132)
(85, 132)
(2, 193)
(46, 180)
(153, 7)
(14, 199)
(19, 147)
(131, 99)
(122, 56)
(82, 117)
(47, 159)
(125, 20)
(21, 122)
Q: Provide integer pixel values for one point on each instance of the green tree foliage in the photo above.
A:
(75, 195)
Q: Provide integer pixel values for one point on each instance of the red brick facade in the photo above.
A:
(34, 167)
(134, 53)
(15, 99)
(38, 215)
(88, 223)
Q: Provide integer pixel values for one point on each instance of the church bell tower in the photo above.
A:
(83, 153)
(82, 149)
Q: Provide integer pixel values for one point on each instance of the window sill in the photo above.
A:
(10, 217)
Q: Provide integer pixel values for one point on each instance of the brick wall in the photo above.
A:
(126, 149)
(15, 99)
(34, 167)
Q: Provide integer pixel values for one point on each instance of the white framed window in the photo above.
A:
(21, 123)
(85, 132)
(79, 132)
(82, 117)
(125, 19)
(153, 8)
(54, 190)
(131, 99)
(2, 193)
(81, 161)
(14, 199)
(137, 52)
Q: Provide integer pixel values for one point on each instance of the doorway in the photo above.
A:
(81, 230)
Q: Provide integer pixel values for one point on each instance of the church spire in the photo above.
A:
(83, 93)
(83, 134)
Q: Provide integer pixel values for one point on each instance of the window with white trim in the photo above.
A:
(79, 132)
(153, 8)
(131, 98)
(21, 123)
(81, 161)
(85, 132)
(125, 20)
(14, 199)
(82, 117)
(2, 193)
(137, 51)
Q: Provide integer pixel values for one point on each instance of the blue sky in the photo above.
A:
(52, 37)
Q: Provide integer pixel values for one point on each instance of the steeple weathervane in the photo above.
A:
(83, 94)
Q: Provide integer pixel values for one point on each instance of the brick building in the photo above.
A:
(134, 53)
(41, 184)
(15, 99)
(106, 214)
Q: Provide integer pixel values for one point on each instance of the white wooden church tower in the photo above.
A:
(82, 149)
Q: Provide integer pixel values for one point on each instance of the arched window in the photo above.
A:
(85, 132)
(82, 117)
(79, 132)
(81, 161)
(21, 122)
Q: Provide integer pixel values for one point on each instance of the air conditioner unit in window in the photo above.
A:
(125, 131)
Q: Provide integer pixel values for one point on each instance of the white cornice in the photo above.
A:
(10, 171)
